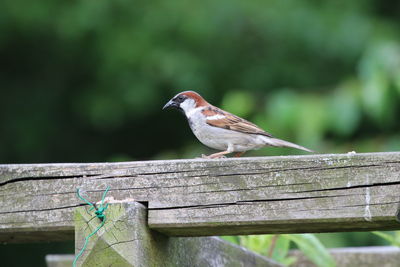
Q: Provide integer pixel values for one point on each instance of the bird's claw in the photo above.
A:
(212, 156)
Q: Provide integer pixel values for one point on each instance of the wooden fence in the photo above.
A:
(184, 198)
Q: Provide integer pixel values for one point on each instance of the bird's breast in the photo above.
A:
(208, 135)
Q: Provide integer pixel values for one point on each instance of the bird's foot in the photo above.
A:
(212, 156)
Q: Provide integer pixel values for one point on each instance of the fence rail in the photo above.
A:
(291, 194)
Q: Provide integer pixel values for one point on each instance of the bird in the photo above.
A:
(221, 130)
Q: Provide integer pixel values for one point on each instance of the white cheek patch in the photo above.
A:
(189, 106)
(216, 117)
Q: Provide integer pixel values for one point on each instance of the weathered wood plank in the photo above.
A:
(316, 193)
(126, 240)
(384, 256)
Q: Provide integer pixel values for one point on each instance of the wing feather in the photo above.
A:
(232, 122)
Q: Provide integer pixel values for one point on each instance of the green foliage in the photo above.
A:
(238, 102)
(313, 249)
(277, 247)
(86, 80)
(280, 250)
(257, 243)
(393, 239)
(325, 74)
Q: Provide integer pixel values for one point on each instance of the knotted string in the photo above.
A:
(99, 214)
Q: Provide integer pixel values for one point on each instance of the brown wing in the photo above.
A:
(232, 122)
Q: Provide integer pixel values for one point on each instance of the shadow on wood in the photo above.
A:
(126, 240)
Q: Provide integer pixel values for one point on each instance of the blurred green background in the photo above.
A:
(84, 81)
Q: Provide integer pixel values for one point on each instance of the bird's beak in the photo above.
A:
(170, 104)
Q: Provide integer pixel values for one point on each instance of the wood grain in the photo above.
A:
(126, 240)
(383, 256)
(317, 193)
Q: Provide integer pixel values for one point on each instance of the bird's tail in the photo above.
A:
(283, 143)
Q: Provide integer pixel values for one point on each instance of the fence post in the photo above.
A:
(126, 240)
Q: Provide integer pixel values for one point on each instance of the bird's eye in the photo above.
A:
(180, 98)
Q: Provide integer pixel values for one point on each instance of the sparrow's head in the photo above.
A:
(186, 101)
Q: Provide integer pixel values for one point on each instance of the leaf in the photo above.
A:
(281, 249)
(393, 240)
(257, 243)
(232, 239)
(397, 238)
(313, 249)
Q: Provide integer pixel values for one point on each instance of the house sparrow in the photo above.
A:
(222, 130)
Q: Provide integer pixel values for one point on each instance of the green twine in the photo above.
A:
(99, 214)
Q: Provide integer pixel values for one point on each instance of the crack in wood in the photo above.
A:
(371, 204)
(250, 188)
(241, 202)
(23, 179)
(117, 243)
(42, 210)
(350, 187)
(331, 190)
(313, 168)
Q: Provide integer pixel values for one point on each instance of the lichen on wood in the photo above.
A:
(290, 194)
